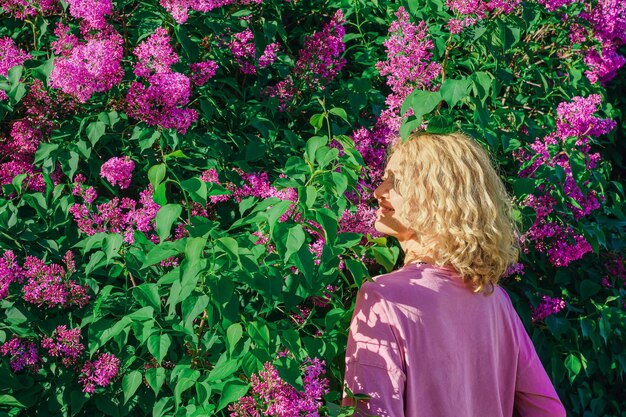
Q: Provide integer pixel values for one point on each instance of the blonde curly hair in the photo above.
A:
(457, 205)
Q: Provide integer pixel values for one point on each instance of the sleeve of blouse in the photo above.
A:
(535, 395)
(374, 363)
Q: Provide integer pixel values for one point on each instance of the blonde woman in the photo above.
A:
(438, 337)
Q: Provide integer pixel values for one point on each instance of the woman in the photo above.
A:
(439, 337)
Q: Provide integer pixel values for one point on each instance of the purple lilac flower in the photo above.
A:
(201, 72)
(514, 269)
(155, 54)
(603, 67)
(10, 272)
(65, 42)
(284, 91)
(93, 66)
(50, 285)
(116, 216)
(161, 103)
(576, 118)
(481, 8)
(320, 59)
(22, 353)
(23, 9)
(547, 307)
(99, 372)
(408, 64)
(243, 50)
(273, 397)
(118, 171)
(258, 185)
(10, 55)
(179, 9)
(608, 19)
(92, 12)
(552, 5)
(269, 55)
(64, 344)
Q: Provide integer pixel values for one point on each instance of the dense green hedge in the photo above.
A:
(186, 208)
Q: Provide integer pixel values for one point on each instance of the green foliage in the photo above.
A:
(196, 306)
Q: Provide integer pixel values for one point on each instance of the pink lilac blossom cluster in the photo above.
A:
(608, 19)
(269, 55)
(360, 221)
(273, 397)
(99, 372)
(179, 9)
(23, 9)
(475, 10)
(10, 272)
(323, 300)
(65, 344)
(22, 354)
(575, 119)
(51, 286)
(242, 47)
(552, 5)
(515, 269)
(162, 102)
(17, 151)
(115, 216)
(155, 55)
(319, 62)
(255, 184)
(301, 316)
(408, 65)
(85, 68)
(10, 56)
(118, 171)
(92, 12)
(201, 72)
(547, 307)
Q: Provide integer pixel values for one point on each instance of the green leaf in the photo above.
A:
(233, 390)
(147, 294)
(295, 240)
(155, 377)
(156, 174)
(95, 130)
(165, 217)
(312, 145)
(112, 245)
(130, 383)
(481, 85)
(317, 121)
(588, 289)
(408, 127)
(233, 335)
(339, 112)
(158, 345)
(454, 90)
(573, 366)
(223, 369)
(194, 248)
(423, 102)
(197, 190)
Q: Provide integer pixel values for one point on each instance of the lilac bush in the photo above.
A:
(186, 190)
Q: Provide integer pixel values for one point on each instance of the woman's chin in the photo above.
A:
(383, 228)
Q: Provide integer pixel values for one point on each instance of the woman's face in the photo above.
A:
(389, 200)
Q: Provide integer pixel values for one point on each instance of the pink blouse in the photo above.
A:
(422, 344)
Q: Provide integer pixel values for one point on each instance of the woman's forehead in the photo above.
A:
(393, 163)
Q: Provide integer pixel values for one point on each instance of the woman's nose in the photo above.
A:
(380, 190)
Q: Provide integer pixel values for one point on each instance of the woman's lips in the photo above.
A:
(383, 209)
